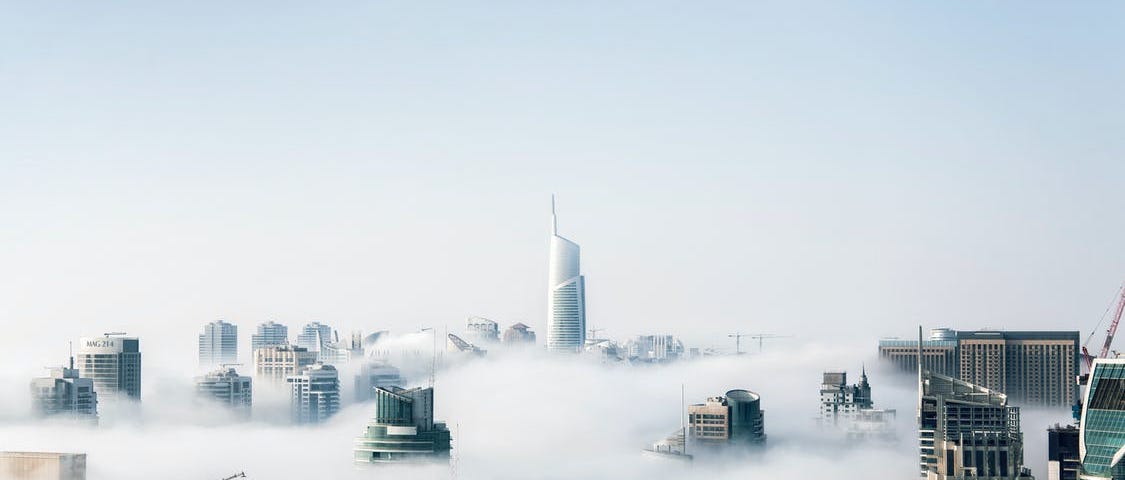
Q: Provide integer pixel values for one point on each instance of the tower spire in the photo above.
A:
(554, 219)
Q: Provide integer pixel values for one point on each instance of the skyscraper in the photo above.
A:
(269, 335)
(113, 362)
(375, 374)
(275, 364)
(228, 388)
(218, 344)
(1063, 458)
(966, 430)
(64, 393)
(403, 429)
(566, 294)
(1029, 367)
(314, 394)
(1102, 424)
(315, 336)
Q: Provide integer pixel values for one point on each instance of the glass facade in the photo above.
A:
(1102, 431)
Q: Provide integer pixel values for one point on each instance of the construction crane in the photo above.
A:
(1108, 333)
(737, 336)
(237, 475)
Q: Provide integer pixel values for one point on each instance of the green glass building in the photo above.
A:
(403, 430)
(1102, 432)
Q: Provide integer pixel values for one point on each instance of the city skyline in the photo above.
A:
(361, 189)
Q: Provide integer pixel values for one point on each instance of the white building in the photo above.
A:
(275, 364)
(566, 294)
(64, 393)
(228, 388)
(113, 362)
(482, 331)
(218, 344)
(314, 394)
(269, 334)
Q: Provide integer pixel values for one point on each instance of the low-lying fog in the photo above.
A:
(514, 414)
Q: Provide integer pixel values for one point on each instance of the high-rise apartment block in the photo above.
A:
(566, 294)
(403, 429)
(218, 344)
(736, 418)
(314, 394)
(113, 362)
(42, 466)
(228, 388)
(275, 364)
(1032, 368)
(65, 393)
(269, 334)
(1102, 423)
(1063, 458)
(967, 431)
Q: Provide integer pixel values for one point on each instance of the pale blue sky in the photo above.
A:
(788, 167)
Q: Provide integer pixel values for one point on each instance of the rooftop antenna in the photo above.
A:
(683, 413)
(433, 354)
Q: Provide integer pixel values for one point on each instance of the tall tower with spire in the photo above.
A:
(566, 293)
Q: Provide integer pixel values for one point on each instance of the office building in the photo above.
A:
(226, 387)
(482, 331)
(403, 429)
(519, 334)
(113, 362)
(967, 431)
(375, 374)
(1102, 422)
(1030, 368)
(275, 364)
(314, 394)
(218, 344)
(654, 348)
(566, 294)
(314, 336)
(736, 418)
(839, 401)
(65, 394)
(1063, 458)
(269, 335)
(42, 466)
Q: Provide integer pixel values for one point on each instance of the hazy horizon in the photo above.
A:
(833, 172)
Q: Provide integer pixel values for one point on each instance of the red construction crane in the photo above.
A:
(1108, 333)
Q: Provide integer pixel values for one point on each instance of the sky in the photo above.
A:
(834, 172)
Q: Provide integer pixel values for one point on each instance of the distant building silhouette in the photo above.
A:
(269, 334)
(227, 387)
(218, 344)
(65, 393)
(275, 364)
(519, 334)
